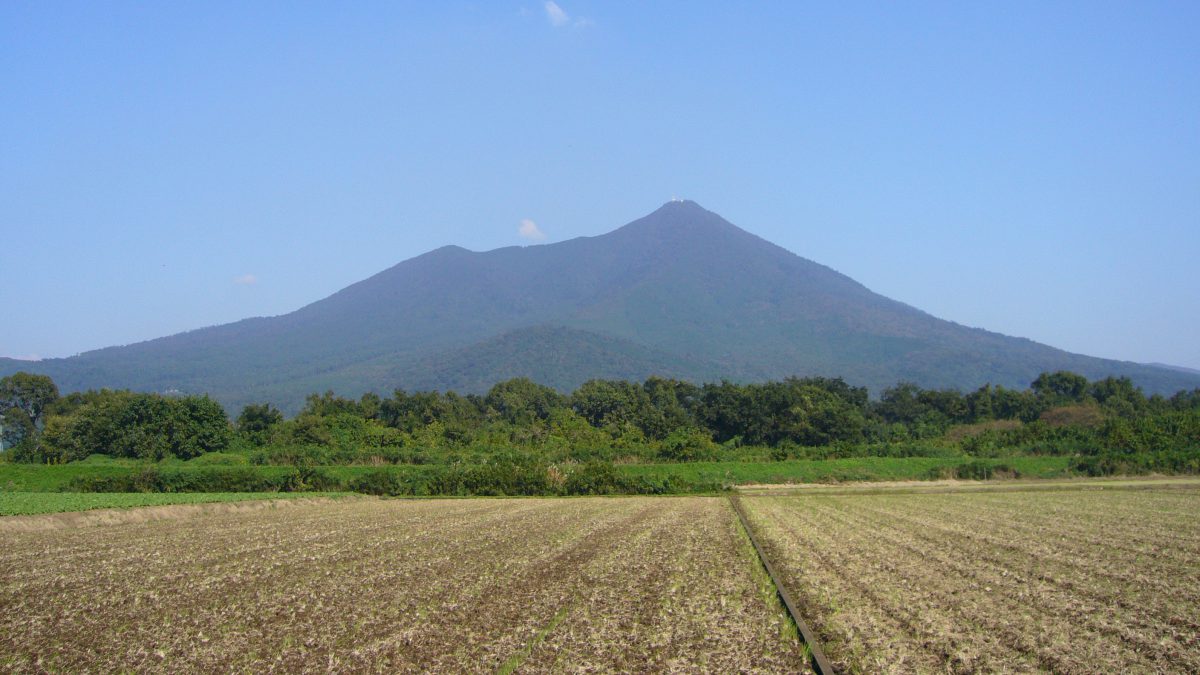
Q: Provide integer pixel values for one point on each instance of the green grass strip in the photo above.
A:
(34, 503)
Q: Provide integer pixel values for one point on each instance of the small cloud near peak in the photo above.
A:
(245, 280)
(557, 16)
(530, 230)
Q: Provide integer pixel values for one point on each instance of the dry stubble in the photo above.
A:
(395, 586)
(1079, 581)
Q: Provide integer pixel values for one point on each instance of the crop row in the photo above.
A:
(1062, 581)
(398, 586)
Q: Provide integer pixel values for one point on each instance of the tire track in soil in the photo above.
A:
(459, 568)
(599, 577)
(675, 599)
(285, 576)
(489, 619)
(218, 586)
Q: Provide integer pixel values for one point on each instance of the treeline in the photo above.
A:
(1109, 424)
(40, 426)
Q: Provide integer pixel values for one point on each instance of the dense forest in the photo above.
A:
(1106, 426)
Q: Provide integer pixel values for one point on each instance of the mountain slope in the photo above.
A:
(680, 292)
(559, 357)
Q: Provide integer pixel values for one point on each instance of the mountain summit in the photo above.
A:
(680, 292)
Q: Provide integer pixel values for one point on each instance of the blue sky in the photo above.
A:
(1030, 168)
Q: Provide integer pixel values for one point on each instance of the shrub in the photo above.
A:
(381, 483)
(507, 475)
(688, 445)
(595, 478)
(979, 470)
(960, 432)
(972, 470)
(219, 459)
(308, 479)
(1085, 415)
(206, 479)
(1111, 462)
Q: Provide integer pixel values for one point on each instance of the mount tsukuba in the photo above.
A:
(679, 293)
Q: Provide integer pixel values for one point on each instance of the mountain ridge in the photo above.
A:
(680, 290)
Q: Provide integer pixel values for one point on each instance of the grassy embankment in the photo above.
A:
(31, 489)
(685, 477)
(842, 470)
(34, 503)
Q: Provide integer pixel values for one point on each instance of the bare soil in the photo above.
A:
(959, 485)
(1076, 581)
(564, 585)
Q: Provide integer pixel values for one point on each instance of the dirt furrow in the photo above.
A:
(972, 584)
(393, 586)
(1026, 587)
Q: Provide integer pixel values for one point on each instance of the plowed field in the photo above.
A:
(1064, 581)
(397, 586)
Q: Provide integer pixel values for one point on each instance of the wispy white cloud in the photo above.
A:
(245, 280)
(557, 15)
(530, 230)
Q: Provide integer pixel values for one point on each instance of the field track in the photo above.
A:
(819, 663)
(535, 585)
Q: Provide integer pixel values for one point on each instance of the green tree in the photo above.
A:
(1119, 395)
(24, 398)
(329, 404)
(980, 404)
(674, 403)
(611, 402)
(198, 425)
(688, 445)
(17, 427)
(1013, 404)
(145, 426)
(901, 404)
(256, 422)
(521, 400)
(409, 412)
(1060, 388)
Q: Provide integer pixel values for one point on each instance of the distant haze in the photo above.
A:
(1029, 169)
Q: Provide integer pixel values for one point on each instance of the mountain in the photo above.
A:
(1180, 369)
(680, 293)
